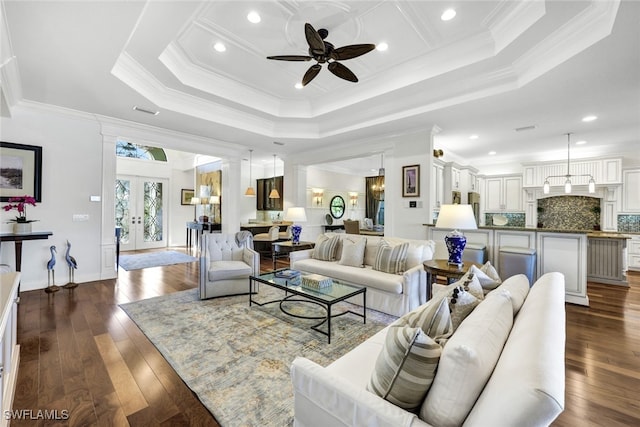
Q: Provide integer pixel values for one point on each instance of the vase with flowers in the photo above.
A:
(21, 224)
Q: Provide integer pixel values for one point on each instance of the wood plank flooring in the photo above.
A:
(82, 354)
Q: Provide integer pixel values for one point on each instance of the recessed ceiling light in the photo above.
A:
(581, 142)
(254, 17)
(220, 47)
(448, 15)
(473, 137)
(299, 85)
(589, 118)
(492, 153)
(382, 46)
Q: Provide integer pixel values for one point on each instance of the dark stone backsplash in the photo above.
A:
(569, 212)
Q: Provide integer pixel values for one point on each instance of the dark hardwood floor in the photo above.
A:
(82, 354)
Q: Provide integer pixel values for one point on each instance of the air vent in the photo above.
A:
(144, 110)
(525, 128)
(278, 143)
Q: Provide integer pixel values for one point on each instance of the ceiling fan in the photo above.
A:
(324, 52)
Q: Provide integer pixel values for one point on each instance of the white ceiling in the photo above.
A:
(497, 66)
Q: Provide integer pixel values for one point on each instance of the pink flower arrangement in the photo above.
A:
(20, 204)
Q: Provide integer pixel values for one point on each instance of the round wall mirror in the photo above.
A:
(336, 207)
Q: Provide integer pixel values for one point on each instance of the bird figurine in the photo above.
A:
(51, 279)
(71, 262)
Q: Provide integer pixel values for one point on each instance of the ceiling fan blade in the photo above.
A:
(290, 57)
(316, 44)
(311, 73)
(352, 51)
(343, 72)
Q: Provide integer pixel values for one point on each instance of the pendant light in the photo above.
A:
(251, 192)
(381, 170)
(274, 192)
(567, 183)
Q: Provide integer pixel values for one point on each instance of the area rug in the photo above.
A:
(153, 259)
(236, 358)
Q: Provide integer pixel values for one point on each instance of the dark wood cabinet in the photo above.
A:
(263, 202)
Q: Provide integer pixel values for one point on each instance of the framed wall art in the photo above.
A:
(186, 196)
(20, 171)
(411, 181)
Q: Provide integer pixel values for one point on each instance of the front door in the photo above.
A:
(141, 212)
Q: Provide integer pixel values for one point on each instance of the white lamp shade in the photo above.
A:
(296, 215)
(195, 200)
(456, 217)
(214, 200)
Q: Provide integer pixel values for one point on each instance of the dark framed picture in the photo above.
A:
(20, 171)
(185, 196)
(411, 181)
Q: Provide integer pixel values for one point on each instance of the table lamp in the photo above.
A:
(456, 217)
(296, 215)
(195, 201)
(214, 200)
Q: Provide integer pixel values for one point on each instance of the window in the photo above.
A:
(144, 152)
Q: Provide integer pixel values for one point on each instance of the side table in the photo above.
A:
(441, 267)
(284, 248)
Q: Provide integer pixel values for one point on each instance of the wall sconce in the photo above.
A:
(353, 199)
(438, 153)
(317, 196)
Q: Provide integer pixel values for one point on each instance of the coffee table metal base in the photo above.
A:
(291, 295)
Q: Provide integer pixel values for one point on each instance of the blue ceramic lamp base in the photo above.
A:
(456, 243)
(295, 234)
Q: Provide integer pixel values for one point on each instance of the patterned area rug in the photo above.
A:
(153, 259)
(236, 358)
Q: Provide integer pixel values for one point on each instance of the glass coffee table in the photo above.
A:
(324, 297)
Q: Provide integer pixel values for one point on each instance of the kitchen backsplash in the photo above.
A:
(514, 219)
(569, 212)
(629, 223)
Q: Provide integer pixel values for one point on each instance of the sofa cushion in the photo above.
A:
(221, 270)
(405, 367)
(391, 259)
(353, 252)
(518, 287)
(325, 248)
(360, 276)
(467, 361)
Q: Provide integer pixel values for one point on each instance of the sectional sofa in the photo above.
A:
(503, 366)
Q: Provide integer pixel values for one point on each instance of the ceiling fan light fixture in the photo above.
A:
(382, 46)
(298, 85)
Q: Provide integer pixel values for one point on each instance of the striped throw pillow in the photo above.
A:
(434, 318)
(405, 367)
(391, 259)
(325, 248)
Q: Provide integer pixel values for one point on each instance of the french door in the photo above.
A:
(141, 211)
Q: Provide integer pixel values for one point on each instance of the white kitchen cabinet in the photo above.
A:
(438, 184)
(631, 190)
(503, 193)
(9, 349)
(633, 253)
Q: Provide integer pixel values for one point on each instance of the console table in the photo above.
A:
(199, 228)
(284, 248)
(18, 239)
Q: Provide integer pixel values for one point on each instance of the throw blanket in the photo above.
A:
(244, 238)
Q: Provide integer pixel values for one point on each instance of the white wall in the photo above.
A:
(71, 173)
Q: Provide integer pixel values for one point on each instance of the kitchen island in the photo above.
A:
(564, 251)
(606, 258)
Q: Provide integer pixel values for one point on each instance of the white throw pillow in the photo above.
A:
(405, 367)
(467, 361)
(471, 284)
(487, 276)
(353, 251)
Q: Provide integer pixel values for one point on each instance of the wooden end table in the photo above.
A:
(441, 267)
(284, 248)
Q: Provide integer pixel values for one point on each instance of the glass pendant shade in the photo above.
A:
(592, 186)
(567, 186)
(545, 187)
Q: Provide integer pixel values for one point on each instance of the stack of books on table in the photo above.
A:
(316, 281)
(287, 274)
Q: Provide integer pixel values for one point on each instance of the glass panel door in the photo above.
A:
(140, 211)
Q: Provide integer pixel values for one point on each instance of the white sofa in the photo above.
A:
(526, 387)
(226, 264)
(395, 294)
